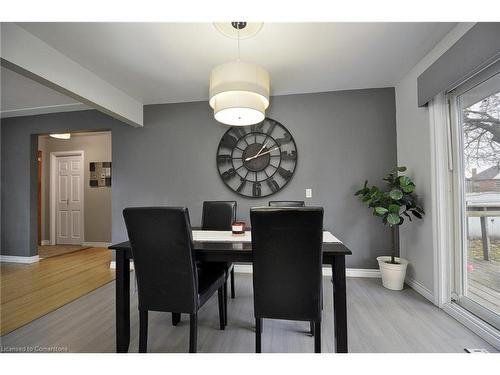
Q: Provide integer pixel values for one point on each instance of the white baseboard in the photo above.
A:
(112, 265)
(327, 271)
(476, 325)
(420, 289)
(359, 272)
(243, 268)
(16, 259)
(96, 244)
(45, 242)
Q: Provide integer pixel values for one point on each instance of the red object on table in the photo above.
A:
(238, 227)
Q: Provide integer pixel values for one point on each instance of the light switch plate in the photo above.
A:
(309, 193)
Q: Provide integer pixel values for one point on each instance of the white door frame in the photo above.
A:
(52, 194)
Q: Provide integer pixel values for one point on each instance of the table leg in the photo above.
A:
(122, 302)
(339, 304)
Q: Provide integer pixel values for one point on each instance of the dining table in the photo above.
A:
(224, 246)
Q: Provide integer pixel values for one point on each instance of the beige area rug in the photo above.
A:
(48, 251)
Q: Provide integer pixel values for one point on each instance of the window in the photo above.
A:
(475, 113)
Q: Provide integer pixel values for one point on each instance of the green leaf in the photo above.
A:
(416, 214)
(396, 194)
(404, 181)
(361, 192)
(401, 169)
(407, 215)
(393, 219)
(394, 208)
(420, 210)
(381, 210)
(408, 188)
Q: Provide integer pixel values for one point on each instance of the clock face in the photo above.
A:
(258, 160)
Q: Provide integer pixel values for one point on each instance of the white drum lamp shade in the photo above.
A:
(239, 93)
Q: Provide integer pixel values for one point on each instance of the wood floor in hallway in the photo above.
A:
(29, 291)
(379, 320)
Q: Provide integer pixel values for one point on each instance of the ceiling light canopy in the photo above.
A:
(239, 91)
(61, 135)
(241, 30)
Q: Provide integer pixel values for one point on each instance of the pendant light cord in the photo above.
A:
(238, 28)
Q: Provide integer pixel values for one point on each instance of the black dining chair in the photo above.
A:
(286, 204)
(292, 204)
(167, 277)
(287, 266)
(220, 215)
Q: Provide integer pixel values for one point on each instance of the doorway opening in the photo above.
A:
(74, 190)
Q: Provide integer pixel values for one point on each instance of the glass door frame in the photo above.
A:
(458, 255)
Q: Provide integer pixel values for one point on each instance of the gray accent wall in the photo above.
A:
(343, 138)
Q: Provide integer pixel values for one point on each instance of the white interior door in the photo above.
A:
(69, 204)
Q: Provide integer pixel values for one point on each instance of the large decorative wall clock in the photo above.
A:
(257, 160)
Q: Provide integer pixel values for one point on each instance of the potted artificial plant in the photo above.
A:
(392, 205)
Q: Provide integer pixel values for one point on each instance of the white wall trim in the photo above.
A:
(327, 271)
(112, 265)
(97, 244)
(52, 191)
(441, 197)
(476, 325)
(56, 108)
(420, 289)
(45, 242)
(17, 259)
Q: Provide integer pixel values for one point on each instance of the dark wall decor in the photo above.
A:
(258, 160)
(100, 173)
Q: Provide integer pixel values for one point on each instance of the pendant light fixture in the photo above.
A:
(239, 91)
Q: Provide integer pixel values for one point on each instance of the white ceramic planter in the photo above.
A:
(393, 275)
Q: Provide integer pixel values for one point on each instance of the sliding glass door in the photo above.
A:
(475, 125)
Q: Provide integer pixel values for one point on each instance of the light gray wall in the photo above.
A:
(414, 151)
(97, 212)
(342, 137)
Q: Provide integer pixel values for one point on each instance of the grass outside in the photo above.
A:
(475, 250)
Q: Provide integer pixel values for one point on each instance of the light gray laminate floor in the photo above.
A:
(380, 320)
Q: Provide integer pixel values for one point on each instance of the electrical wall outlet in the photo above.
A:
(309, 193)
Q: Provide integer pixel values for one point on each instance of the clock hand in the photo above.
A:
(263, 147)
(267, 152)
(257, 154)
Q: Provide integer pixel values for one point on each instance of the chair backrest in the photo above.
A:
(162, 247)
(286, 204)
(287, 262)
(218, 215)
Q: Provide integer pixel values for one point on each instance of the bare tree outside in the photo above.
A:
(481, 129)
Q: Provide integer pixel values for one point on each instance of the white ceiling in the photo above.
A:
(171, 62)
(21, 96)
